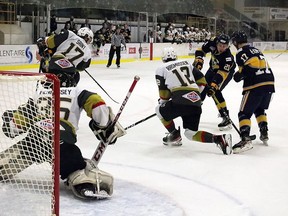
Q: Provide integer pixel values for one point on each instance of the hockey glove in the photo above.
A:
(108, 134)
(212, 89)
(198, 62)
(162, 101)
(25, 115)
(238, 76)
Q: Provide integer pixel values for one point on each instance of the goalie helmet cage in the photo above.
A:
(31, 189)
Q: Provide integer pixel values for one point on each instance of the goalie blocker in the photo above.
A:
(110, 133)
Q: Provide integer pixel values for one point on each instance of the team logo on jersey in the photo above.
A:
(45, 124)
(64, 63)
(192, 96)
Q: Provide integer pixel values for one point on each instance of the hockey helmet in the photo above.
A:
(86, 34)
(169, 54)
(223, 38)
(239, 37)
(68, 79)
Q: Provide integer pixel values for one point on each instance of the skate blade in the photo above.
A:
(228, 139)
(265, 142)
(175, 143)
(242, 149)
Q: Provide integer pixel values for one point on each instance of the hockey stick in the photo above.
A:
(103, 145)
(140, 121)
(100, 86)
(252, 137)
(279, 54)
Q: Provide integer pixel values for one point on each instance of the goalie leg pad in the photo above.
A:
(91, 182)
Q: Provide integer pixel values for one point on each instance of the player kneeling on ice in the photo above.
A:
(180, 85)
(82, 176)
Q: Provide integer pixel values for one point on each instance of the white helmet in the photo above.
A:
(169, 54)
(86, 34)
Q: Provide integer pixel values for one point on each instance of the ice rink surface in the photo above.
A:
(195, 179)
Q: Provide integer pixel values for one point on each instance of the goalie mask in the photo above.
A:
(169, 54)
(86, 34)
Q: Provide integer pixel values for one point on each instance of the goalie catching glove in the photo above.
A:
(16, 122)
(110, 133)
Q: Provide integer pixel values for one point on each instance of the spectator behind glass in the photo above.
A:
(126, 33)
(73, 26)
(106, 24)
(53, 24)
(66, 27)
(86, 24)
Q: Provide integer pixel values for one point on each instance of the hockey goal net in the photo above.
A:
(29, 144)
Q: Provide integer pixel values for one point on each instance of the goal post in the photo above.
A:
(29, 143)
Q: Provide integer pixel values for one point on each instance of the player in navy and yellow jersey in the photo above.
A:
(180, 85)
(258, 87)
(220, 72)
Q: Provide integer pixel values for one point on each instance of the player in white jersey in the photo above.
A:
(66, 52)
(180, 85)
(81, 175)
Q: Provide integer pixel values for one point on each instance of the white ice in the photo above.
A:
(195, 179)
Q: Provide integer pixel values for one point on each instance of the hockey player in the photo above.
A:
(258, 87)
(180, 85)
(220, 72)
(66, 52)
(82, 176)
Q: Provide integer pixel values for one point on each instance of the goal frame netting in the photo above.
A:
(55, 168)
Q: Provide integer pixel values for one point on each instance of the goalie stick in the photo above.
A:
(252, 137)
(103, 145)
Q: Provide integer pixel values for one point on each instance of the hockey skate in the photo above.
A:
(225, 124)
(244, 145)
(173, 138)
(264, 135)
(224, 142)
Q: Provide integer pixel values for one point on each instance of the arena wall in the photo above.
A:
(23, 56)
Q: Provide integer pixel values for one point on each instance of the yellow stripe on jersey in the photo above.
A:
(224, 74)
(201, 81)
(92, 101)
(20, 120)
(258, 85)
(165, 94)
(67, 126)
(50, 42)
(255, 62)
